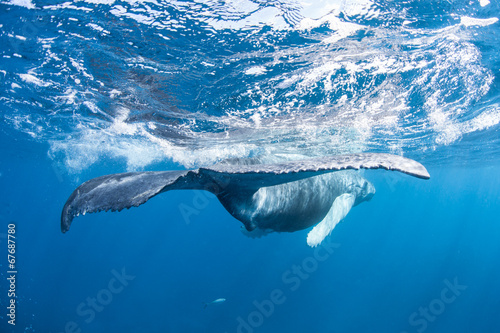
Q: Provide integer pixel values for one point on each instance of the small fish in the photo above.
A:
(218, 300)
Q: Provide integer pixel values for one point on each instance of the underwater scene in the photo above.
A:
(249, 166)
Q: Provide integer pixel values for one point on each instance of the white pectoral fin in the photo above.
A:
(340, 207)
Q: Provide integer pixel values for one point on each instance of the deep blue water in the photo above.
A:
(97, 87)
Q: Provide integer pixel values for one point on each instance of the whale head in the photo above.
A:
(368, 190)
(362, 188)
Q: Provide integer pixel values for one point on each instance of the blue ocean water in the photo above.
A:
(95, 87)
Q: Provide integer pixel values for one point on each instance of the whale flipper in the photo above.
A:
(340, 208)
(255, 176)
(118, 191)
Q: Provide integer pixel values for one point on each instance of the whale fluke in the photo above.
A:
(240, 188)
(116, 192)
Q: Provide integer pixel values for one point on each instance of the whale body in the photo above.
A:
(300, 204)
(281, 197)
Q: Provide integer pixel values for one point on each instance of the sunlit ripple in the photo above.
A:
(198, 82)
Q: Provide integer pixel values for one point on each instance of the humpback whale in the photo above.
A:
(279, 197)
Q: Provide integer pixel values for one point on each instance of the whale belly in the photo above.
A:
(286, 207)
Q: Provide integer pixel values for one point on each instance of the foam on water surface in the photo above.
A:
(203, 81)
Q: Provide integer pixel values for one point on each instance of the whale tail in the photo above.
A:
(118, 191)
